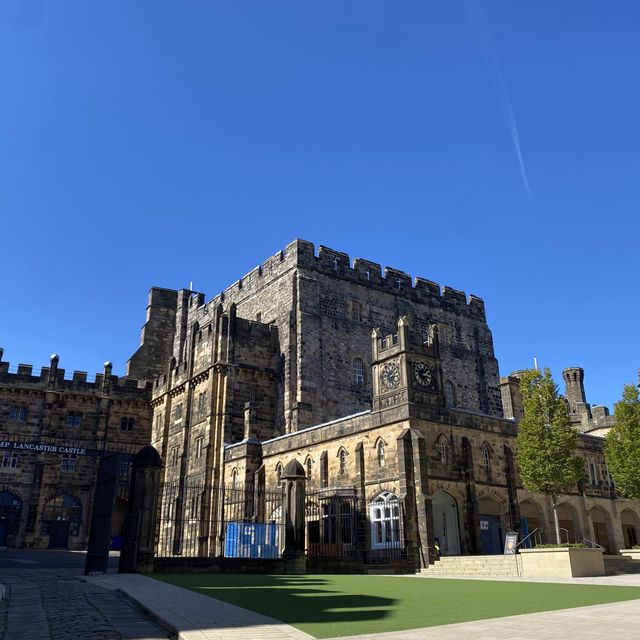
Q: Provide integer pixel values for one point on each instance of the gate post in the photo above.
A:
(140, 524)
(293, 479)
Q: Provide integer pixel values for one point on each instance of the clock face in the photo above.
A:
(422, 374)
(390, 376)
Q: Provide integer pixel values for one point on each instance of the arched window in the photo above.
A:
(380, 453)
(309, 465)
(442, 449)
(486, 459)
(449, 395)
(343, 461)
(384, 514)
(234, 478)
(279, 473)
(358, 372)
(63, 508)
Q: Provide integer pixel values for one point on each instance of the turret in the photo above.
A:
(574, 385)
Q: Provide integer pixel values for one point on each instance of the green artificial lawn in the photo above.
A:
(341, 605)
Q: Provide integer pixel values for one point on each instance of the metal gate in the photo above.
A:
(112, 483)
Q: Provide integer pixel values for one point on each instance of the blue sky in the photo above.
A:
(491, 146)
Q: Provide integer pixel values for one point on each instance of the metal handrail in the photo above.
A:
(593, 544)
(526, 538)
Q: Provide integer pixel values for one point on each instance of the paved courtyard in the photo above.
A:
(48, 599)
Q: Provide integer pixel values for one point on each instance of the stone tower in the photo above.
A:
(574, 385)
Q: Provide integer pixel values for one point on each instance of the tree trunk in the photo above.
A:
(556, 522)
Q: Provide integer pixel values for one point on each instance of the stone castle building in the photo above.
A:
(384, 387)
(53, 432)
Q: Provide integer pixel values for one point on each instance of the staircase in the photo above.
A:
(490, 566)
(618, 565)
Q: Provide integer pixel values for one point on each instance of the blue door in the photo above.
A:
(490, 534)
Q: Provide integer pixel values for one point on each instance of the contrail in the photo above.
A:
(495, 69)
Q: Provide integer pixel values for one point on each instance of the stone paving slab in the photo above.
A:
(45, 604)
(619, 619)
(195, 616)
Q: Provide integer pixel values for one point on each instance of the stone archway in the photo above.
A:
(630, 528)
(602, 531)
(10, 516)
(570, 527)
(491, 515)
(533, 521)
(445, 523)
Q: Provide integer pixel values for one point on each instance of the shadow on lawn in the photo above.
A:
(294, 600)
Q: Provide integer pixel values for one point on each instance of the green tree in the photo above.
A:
(547, 442)
(622, 447)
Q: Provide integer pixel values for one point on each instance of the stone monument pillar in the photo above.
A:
(293, 487)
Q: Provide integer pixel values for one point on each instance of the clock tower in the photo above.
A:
(407, 372)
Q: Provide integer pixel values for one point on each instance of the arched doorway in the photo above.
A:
(61, 518)
(10, 515)
(601, 526)
(570, 530)
(445, 523)
(531, 522)
(491, 534)
(629, 522)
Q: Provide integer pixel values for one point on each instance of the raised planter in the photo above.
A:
(561, 562)
(634, 554)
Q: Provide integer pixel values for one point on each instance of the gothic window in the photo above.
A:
(384, 515)
(309, 465)
(398, 283)
(279, 473)
(486, 459)
(74, 420)
(442, 449)
(127, 423)
(9, 459)
(343, 461)
(68, 463)
(380, 453)
(356, 311)
(177, 414)
(324, 470)
(358, 372)
(199, 447)
(159, 422)
(593, 473)
(17, 414)
(448, 394)
(234, 478)
(62, 508)
(175, 456)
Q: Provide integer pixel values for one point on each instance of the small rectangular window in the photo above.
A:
(199, 446)
(177, 414)
(175, 456)
(74, 420)
(17, 414)
(9, 459)
(68, 463)
(127, 423)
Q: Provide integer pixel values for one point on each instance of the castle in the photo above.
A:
(384, 388)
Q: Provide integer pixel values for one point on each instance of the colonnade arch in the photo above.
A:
(630, 522)
(446, 523)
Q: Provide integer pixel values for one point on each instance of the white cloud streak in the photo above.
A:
(495, 69)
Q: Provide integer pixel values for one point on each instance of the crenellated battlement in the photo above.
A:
(302, 254)
(54, 378)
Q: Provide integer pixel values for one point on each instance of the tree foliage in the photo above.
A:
(622, 448)
(547, 458)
